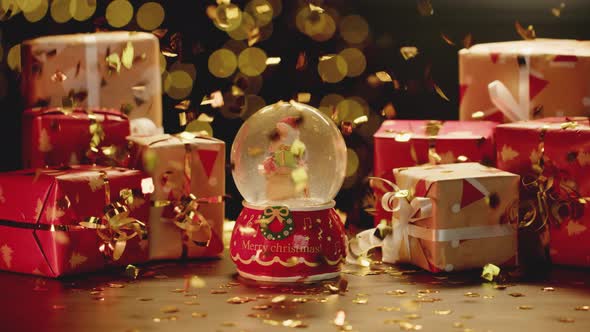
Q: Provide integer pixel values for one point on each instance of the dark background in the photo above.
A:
(393, 24)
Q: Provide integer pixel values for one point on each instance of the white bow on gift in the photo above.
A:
(404, 213)
(503, 99)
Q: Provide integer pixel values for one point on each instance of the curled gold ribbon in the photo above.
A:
(115, 227)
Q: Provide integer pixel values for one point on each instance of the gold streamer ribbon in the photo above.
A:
(115, 227)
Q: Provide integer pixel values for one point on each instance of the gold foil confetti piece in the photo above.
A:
(293, 323)
(261, 307)
(199, 314)
(58, 76)
(548, 289)
(228, 324)
(169, 309)
(447, 39)
(127, 56)
(303, 97)
(178, 290)
(98, 298)
(443, 312)
(556, 11)
(525, 307)
(383, 76)
(583, 308)
(259, 315)
(239, 299)
(527, 34)
(278, 299)
(516, 294)
(396, 292)
(115, 285)
(441, 93)
(131, 271)
(95, 292)
(566, 320)
(500, 287)
(114, 62)
(458, 325)
(299, 300)
(408, 52)
(316, 9)
(271, 61)
(407, 326)
(191, 303)
(488, 297)
(412, 316)
(340, 318)
(360, 300)
(263, 296)
(271, 322)
(332, 289)
(490, 271)
(428, 291)
(389, 309)
(218, 291)
(471, 294)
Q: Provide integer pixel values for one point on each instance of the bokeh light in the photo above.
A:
(355, 60)
(261, 11)
(36, 13)
(227, 16)
(119, 13)
(150, 15)
(179, 84)
(320, 26)
(222, 63)
(252, 103)
(348, 110)
(244, 29)
(354, 29)
(352, 162)
(332, 68)
(81, 10)
(329, 102)
(197, 126)
(60, 11)
(189, 68)
(13, 57)
(252, 61)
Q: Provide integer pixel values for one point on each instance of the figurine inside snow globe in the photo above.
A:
(289, 163)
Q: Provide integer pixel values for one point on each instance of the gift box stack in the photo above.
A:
(529, 203)
(102, 185)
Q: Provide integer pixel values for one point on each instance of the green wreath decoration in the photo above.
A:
(283, 215)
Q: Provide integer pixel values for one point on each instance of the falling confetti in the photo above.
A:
(490, 271)
(527, 34)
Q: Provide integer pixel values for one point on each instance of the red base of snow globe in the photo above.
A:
(278, 244)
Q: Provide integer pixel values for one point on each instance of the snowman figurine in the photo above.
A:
(285, 167)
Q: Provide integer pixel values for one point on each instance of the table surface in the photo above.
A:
(208, 295)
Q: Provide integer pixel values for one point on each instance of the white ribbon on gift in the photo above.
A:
(404, 213)
(503, 99)
(92, 71)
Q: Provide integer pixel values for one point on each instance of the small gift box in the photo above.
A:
(448, 218)
(404, 143)
(552, 157)
(527, 79)
(62, 136)
(56, 222)
(118, 70)
(188, 171)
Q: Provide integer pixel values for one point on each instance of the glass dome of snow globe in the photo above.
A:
(289, 154)
(289, 161)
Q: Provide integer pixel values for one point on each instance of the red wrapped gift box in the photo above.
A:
(404, 143)
(61, 136)
(41, 212)
(553, 158)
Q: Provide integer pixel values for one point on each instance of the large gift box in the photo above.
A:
(404, 143)
(448, 218)
(56, 222)
(527, 79)
(57, 136)
(188, 171)
(553, 158)
(107, 69)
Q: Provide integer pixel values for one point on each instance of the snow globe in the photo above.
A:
(289, 162)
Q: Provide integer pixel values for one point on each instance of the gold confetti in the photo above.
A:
(412, 316)
(360, 300)
(127, 56)
(239, 299)
(261, 307)
(443, 312)
(383, 76)
(191, 303)
(273, 61)
(458, 325)
(115, 285)
(218, 291)
(471, 294)
(447, 39)
(303, 97)
(582, 308)
(468, 40)
(389, 309)
(516, 294)
(59, 77)
(169, 309)
(556, 11)
(548, 289)
(408, 52)
(525, 307)
(293, 323)
(565, 320)
(278, 299)
(340, 318)
(197, 282)
(396, 292)
(199, 314)
(490, 271)
(131, 271)
(271, 322)
(441, 93)
(527, 34)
